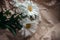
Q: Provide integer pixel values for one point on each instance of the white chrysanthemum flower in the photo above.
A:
(30, 22)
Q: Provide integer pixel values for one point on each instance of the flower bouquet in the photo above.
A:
(25, 18)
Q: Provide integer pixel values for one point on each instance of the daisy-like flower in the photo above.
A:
(30, 22)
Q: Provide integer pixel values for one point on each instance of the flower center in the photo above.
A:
(30, 8)
(28, 26)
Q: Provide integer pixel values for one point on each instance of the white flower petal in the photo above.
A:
(27, 33)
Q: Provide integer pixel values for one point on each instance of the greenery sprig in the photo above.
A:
(11, 23)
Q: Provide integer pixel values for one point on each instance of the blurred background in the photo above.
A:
(48, 28)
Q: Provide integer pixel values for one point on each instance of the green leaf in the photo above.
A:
(1, 13)
(18, 25)
(12, 20)
(2, 26)
(21, 15)
(12, 29)
(24, 16)
(7, 12)
(3, 18)
(12, 17)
